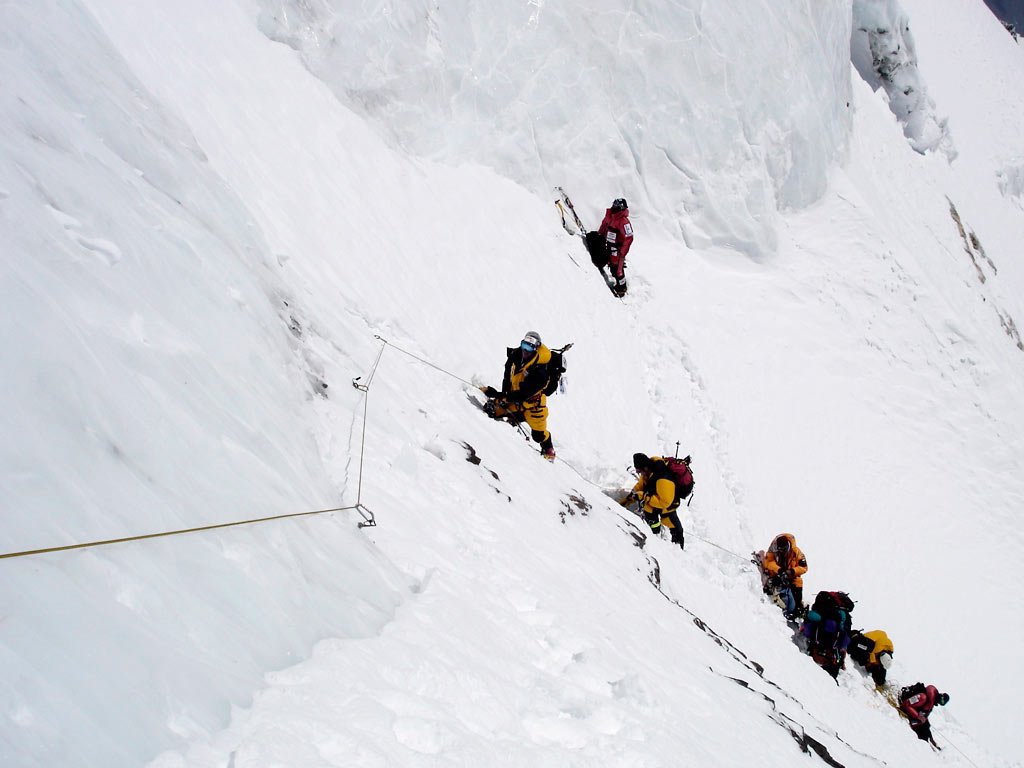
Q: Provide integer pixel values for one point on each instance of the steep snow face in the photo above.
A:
(883, 51)
(148, 369)
(645, 102)
(203, 236)
(984, 98)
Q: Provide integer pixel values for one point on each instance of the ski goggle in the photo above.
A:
(528, 346)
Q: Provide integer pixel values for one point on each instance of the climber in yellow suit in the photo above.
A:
(522, 390)
(873, 650)
(659, 492)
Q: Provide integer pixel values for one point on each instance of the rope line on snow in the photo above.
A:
(169, 533)
(368, 517)
(583, 477)
(369, 520)
(890, 697)
(719, 546)
(946, 739)
(424, 361)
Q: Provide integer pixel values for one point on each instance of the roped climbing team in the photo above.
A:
(827, 626)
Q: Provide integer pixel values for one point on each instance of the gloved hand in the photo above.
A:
(784, 577)
(790, 574)
(773, 581)
(490, 391)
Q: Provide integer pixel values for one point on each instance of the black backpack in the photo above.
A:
(597, 248)
(861, 647)
(556, 368)
(909, 691)
(827, 603)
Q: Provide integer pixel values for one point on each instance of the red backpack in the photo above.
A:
(678, 471)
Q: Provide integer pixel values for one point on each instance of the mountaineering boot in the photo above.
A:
(619, 289)
(547, 449)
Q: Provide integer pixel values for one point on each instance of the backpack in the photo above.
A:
(678, 471)
(555, 369)
(832, 609)
(825, 602)
(861, 647)
(843, 600)
(597, 249)
(910, 691)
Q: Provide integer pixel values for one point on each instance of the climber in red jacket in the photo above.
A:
(617, 233)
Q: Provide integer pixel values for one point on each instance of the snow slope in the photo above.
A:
(203, 234)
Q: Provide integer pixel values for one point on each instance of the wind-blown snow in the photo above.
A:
(204, 230)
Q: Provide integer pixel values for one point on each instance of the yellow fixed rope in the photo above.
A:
(368, 517)
(168, 533)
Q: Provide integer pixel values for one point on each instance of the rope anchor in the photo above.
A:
(369, 519)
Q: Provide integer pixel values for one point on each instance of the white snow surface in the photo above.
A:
(204, 230)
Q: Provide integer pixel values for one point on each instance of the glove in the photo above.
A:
(784, 577)
(490, 391)
(773, 581)
(790, 574)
